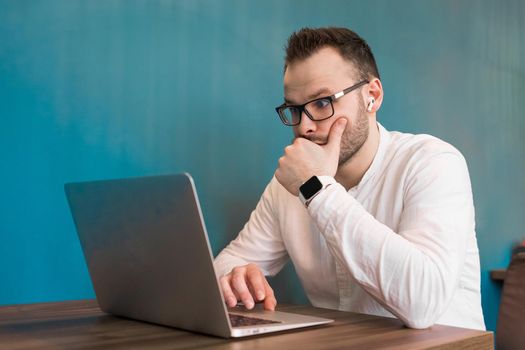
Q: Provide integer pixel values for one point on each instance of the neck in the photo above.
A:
(350, 173)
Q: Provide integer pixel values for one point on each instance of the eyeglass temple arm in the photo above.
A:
(351, 88)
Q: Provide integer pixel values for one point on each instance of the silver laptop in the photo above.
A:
(149, 258)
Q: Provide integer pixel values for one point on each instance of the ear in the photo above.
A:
(373, 90)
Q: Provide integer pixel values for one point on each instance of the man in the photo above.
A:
(374, 221)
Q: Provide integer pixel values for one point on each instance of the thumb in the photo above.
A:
(336, 132)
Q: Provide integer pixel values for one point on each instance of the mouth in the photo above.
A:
(321, 141)
(318, 140)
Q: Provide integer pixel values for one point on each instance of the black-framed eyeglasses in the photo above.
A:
(318, 109)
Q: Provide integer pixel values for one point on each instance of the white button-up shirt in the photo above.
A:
(401, 243)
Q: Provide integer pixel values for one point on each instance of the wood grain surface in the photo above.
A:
(81, 325)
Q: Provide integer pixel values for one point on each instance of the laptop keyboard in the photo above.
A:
(239, 320)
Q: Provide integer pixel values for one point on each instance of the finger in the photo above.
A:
(269, 302)
(256, 282)
(229, 296)
(237, 297)
(238, 283)
(336, 132)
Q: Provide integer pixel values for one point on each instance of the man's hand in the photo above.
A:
(304, 159)
(247, 284)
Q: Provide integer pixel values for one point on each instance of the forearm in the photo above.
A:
(226, 261)
(412, 273)
(247, 248)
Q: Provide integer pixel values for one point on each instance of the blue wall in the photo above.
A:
(106, 89)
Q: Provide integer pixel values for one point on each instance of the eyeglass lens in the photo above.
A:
(317, 110)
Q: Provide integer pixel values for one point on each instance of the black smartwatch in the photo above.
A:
(312, 187)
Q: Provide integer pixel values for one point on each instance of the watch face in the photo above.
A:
(311, 187)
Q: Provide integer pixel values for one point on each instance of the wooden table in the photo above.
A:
(81, 325)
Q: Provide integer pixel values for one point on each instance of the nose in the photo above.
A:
(306, 126)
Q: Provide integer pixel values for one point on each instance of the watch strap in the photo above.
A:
(312, 187)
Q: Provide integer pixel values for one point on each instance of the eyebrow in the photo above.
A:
(319, 93)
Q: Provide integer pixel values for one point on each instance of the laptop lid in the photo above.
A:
(148, 254)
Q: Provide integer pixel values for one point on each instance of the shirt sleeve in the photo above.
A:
(414, 272)
(259, 242)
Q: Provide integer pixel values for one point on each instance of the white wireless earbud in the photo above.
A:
(371, 102)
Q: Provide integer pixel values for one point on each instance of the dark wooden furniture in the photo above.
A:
(81, 325)
(511, 324)
(498, 274)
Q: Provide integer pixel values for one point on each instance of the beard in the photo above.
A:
(353, 138)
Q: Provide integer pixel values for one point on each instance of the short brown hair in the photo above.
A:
(305, 42)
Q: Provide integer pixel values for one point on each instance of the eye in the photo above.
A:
(294, 111)
(322, 103)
